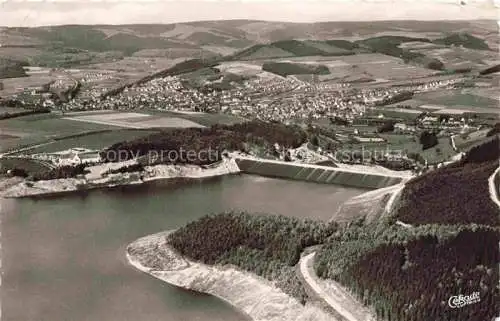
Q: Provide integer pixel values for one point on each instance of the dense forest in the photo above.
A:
(454, 194)
(25, 112)
(285, 68)
(490, 70)
(67, 171)
(408, 273)
(203, 142)
(404, 272)
(134, 168)
(269, 246)
(428, 140)
(494, 131)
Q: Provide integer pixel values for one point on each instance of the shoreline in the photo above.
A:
(250, 294)
(94, 180)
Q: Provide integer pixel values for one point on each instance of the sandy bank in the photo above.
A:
(372, 205)
(255, 296)
(95, 178)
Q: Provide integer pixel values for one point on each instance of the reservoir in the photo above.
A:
(63, 257)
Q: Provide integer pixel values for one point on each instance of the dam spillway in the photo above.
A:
(316, 173)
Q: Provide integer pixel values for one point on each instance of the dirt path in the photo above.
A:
(494, 190)
(333, 293)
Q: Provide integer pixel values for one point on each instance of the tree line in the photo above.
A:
(409, 273)
(66, 171)
(454, 194)
(269, 246)
(213, 141)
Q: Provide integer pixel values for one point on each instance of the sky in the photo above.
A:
(57, 12)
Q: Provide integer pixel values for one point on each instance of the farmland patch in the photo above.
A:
(132, 120)
(94, 141)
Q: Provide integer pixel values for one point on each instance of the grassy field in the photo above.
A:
(29, 165)
(135, 120)
(17, 85)
(403, 144)
(4, 111)
(8, 144)
(204, 119)
(375, 66)
(465, 141)
(49, 125)
(37, 129)
(96, 141)
(456, 97)
(405, 114)
(11, 110)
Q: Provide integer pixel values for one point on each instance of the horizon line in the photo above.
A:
(254, 20)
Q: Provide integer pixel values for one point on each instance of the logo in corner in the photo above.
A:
(459, 301)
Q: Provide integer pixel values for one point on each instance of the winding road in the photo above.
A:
(494, 190)
(333, 294)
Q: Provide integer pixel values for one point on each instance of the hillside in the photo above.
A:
(404, 272)
(284, 69)
(293, 48)
(209, 143)
(410, 274)
(10, 69)
(463, 39)
(77, 44)
(451, 247)
(434, 198)
(389, 45)
(259, 244)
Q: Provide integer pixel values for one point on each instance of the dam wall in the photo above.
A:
(317, 173)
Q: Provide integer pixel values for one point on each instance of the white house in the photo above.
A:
(68, 159)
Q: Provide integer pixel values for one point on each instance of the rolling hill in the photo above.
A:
(82, 44)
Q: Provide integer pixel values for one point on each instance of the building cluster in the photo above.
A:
(275, 98)
(70, 157)
(92, 77)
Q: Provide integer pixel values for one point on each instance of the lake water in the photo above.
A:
(63, 258)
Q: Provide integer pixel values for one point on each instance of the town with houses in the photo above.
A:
(326, 171)
(287, 100)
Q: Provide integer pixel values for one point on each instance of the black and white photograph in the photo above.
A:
(249, 160)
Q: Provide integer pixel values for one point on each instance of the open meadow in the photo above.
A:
(405, 144)
(134, 120)
(94, 141)
(394, 112)
(203, 119)
(457, 57)
(370, 65)
(27, 164)
(457, 102)
(465, 141)
(39, 129)
(13, 86)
